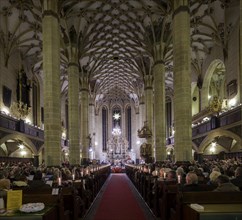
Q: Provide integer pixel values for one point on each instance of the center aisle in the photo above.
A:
(119, 200)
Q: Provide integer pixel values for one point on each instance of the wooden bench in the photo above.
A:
(167, 199)
(72, 203)
(207, 197)
(45, 196)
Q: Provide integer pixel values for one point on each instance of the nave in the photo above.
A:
(118, 199)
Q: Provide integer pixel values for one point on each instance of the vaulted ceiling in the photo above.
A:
(115, 39)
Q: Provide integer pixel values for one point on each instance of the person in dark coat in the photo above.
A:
(37, 182)
(224, 185)
(237, 181)
(191, 183)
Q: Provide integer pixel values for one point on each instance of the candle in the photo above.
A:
(179, 179)
(59, 181)
(73, 177)
(81, 173)
(164, 175)
(156, 172)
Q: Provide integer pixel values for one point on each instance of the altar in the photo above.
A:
(117, 149)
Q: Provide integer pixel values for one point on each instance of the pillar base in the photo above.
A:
(36, 160)
(85, 161)
(186, 163)
(149, 160)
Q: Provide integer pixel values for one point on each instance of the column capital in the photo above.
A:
(159, 62)
(180, 8)
(72, 51)
(50, 13)
(50, 8)
(148, 80)
(84, 81)
(159, 51)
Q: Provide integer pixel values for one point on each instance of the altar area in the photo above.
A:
(117, 149)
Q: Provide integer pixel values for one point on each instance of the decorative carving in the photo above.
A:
(145, 150)
(145, 132)
(215, 104)
(19, 110)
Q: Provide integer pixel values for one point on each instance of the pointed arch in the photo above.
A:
(27, 142)
(218, 132)
(207, 79)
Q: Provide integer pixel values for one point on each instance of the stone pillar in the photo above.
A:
(149, 108)
(92, 123)
(51, 68)
(36, 160)
(142, 114)
(73, 105)
(240, 60)
(159, 111)
(84, 97)
(182, 81)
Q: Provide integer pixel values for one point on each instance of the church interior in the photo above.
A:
(149, 88)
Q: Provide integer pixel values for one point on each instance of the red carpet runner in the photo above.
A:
(118, 201)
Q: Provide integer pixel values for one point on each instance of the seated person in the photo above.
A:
(191, 182)
(171, 176)
(237, 181)
(20, 181)
(213, 177)
(37, 182)
(224, 185)
(4, 182)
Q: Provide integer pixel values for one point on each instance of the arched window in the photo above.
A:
(37, 117)
(116, 117)
(168, 117)
(129, 126)
(104, 128)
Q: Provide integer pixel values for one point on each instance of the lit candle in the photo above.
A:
(59, 181)
(164, 175)
(156, 172)
(179, 179)
(73, 177)
(81, 173)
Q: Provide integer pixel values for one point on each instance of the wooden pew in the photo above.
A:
(45, 196)
(206, 197)
(72, 203)
(167, 199)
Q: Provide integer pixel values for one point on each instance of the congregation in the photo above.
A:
(212, 172)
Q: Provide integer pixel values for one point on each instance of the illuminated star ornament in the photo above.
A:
(116, 116)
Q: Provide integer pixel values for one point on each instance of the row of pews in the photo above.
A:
(68, 202)
(168, 201)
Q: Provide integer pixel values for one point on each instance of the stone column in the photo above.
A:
(182, 81)
(84, 118)
(159, 111)
(51, 68)
(92, 123)
(36, 161)
(73, 105)
(142, 114)
(149, 109)
(240, 60)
